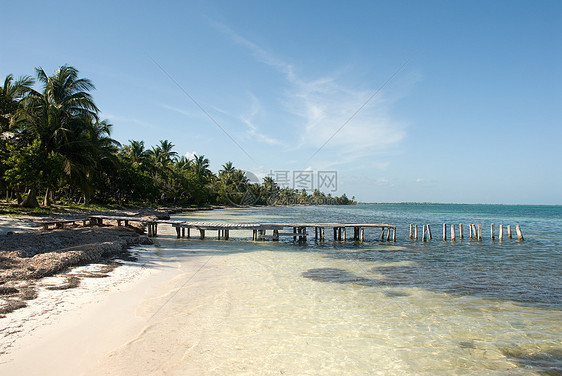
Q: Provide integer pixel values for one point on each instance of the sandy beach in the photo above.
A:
(191, 307)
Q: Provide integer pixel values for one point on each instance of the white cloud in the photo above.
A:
(190, 154)
(124, 119)
(382, 182)
(335, 117)
(420, 180)
(253, 130)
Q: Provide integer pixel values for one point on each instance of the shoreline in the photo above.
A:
(215, 308)
(86, 322)
(29, 254)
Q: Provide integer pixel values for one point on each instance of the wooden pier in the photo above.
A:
(298, 231)
(259, 231)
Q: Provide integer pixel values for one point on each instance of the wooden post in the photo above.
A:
(461, 235)
(178, 232)
(501, 233)
(453, 233)
(226, 234)
(509, 231)
(322, 234)
(275, 235)
(470, 230)
(388, 234)
(423, 236)
(444, 232)
(344, 234)
(394, 235)
(183, 232)
(492, 234)
(382, 234)
(428, 232)
(416, 232)
(188, 233)
(479, 232)
(201, 234)
(315, 233)
(519, 233)
(411, 230)
(294, 233)
(362, 233)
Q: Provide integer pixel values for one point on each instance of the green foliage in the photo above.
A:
(30, 166)
(54, 143)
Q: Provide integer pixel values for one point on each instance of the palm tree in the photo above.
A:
(11, 94)
(64, 105)
(227, 169)
(201, 166)
(135, 152)
(183, 164)
(59, 117)
(163, 155)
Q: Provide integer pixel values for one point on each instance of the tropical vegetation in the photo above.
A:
(53, 145)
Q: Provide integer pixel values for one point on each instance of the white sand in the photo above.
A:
(89, 322)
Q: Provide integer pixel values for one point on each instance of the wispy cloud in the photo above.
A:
(322, 105)
(253, 129)
(124, 119)
(259, 53)
(182, 111)
(326, 105)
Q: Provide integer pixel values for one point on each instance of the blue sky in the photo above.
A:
(435, 101)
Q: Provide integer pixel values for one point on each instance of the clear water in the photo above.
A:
(439, 307)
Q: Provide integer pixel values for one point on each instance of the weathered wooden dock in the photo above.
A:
(298, 231)
(259, 231)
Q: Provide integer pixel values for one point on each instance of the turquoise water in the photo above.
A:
(463, 307)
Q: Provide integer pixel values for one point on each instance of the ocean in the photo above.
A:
(377, 307)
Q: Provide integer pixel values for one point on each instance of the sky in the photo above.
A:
(396, 101)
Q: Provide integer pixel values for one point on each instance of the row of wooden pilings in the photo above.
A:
(475, 232)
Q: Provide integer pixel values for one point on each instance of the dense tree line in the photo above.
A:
(54, 145)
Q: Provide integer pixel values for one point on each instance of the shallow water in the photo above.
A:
(466, 307)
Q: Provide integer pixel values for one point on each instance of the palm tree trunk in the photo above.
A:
(47, 199)
(31, 199)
